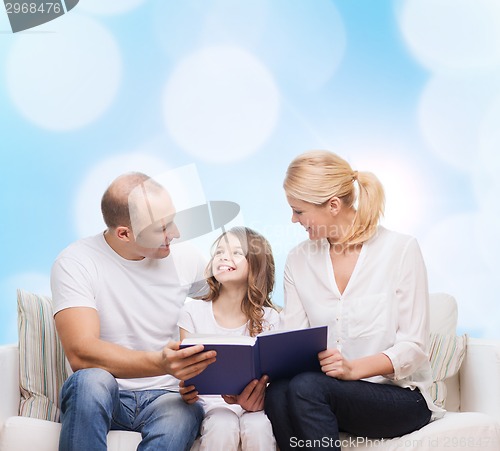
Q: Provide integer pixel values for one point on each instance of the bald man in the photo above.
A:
(117, 297)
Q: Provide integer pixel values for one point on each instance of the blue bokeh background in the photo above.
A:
(409, 89)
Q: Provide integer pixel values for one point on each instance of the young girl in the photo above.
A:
(240, 275)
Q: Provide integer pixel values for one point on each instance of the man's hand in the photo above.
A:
(252, 397)
(187, 362)
(188, 394)
(334, 364)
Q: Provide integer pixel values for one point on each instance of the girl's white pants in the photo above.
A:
(227, 426)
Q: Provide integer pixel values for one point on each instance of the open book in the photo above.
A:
(240, 359)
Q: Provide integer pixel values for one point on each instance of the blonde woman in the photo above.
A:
(369, 285)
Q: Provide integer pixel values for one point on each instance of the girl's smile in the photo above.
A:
(229, 262)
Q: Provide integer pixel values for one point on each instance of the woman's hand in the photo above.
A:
(252, 397)
(188, 394)
(334, 364)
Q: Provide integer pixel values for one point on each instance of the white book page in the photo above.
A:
(205, 339)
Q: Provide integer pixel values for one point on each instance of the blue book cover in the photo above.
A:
(279, 354)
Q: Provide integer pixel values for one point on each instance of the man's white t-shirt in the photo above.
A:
(138, 302)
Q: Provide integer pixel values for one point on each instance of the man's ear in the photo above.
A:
(123, 233)
(335, 205)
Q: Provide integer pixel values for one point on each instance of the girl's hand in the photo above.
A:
(188, 394)
(334, 364)
(252, 397)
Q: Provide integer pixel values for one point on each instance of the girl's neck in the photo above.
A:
(227, 308)
(231, 297)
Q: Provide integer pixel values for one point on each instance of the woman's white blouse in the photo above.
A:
(384, 307)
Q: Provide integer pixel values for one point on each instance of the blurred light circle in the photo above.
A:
(221, 104)
(67, 77)
(302, 43)
(486, 189)
(404, 186)
(451, 248)
(450, 114)
(182, 27)
(452, 34)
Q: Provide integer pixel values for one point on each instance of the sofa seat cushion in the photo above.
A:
(24, 433)
(466, 431)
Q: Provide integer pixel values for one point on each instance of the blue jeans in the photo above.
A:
(92, 405)
(312, 408)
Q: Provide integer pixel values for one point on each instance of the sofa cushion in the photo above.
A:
(446, 354)
(42, 363)
(466, 431)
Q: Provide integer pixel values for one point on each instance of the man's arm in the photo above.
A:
(78, 329)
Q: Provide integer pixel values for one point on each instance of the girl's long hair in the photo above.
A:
(261, 269)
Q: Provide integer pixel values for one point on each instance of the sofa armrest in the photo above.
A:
(480, 377)
(9, 382)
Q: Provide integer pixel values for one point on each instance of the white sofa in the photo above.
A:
(471, 423)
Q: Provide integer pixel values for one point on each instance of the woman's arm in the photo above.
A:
(409, 350)
(335, 365)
